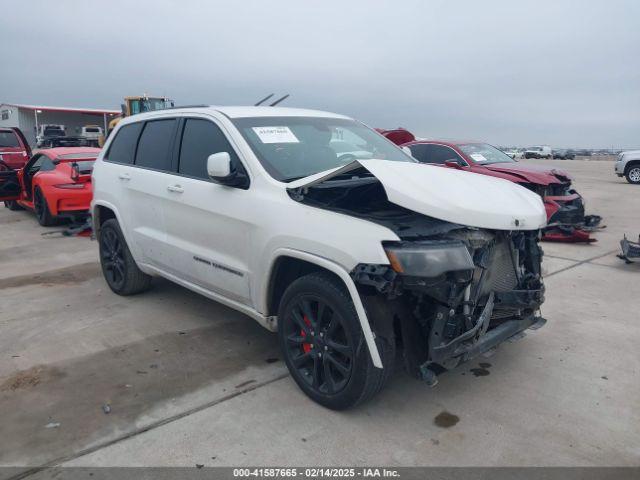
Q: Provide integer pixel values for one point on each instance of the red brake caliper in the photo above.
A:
(306, 347)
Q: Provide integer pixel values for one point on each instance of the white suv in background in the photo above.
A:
(628, 166)
(346, 256)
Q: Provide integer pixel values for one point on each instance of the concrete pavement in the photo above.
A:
(191, 382)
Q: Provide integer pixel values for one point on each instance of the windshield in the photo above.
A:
(148, 105)
(295, 147)
(484, 154)
(8, 139)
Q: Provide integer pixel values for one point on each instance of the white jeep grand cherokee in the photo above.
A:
(347, 258)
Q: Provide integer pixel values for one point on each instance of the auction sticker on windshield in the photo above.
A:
(275, 135)
(478, 157)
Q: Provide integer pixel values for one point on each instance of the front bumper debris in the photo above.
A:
(572, 228)
(479, 338)
(629, 249)
(566, 220)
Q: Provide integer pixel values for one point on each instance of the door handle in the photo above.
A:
(175, 188)
(124, 176)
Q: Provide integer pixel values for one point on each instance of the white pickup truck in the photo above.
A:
(91, 132)
(543, 151)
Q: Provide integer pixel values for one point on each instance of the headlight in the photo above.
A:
(429, 259)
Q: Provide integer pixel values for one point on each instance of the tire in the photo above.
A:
(633, 174)
(118, 266)
(345, 376)
(13, 205)
(43, 214)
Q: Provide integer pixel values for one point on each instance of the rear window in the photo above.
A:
(9, 140)
(123, 147)
(155, 142)
(92, 130)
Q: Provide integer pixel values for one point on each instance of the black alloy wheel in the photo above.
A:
(112, 257)
(323, 344)
(120, 270)
(42, 209)
(318, 344)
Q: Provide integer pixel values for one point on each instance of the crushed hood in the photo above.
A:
(537, 174)
(447, 194)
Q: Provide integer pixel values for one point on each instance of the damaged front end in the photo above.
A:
(458, 295)
(567, 221)
(450, 292)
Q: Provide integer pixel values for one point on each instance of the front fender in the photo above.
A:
(348, 282)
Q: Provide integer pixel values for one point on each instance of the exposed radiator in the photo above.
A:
(501, 275)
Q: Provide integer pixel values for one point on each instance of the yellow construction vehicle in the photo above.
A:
(137, 104)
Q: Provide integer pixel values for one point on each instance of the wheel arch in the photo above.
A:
(39, 185)
(44, 181)
(289, 264)
(630, 164)
(101, 212)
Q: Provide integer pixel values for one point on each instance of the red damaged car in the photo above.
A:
(567, 221)
(54, 183)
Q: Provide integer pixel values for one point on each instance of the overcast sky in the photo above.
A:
(564, 73)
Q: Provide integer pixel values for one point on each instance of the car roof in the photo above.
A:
(243, 112)
(54, 153)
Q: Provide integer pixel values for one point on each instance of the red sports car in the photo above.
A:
(14, 148)
(55, 183)
(567, 221)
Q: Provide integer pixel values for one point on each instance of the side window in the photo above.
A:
(430, 153)
(36, 163)
(201, 138)
(123, 147)
(9, 139)
(440, 154)
(154, 145)
(420, 152)
(47, 165)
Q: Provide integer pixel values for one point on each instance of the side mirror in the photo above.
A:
(219, 166)
(221, 170)
(453, 164)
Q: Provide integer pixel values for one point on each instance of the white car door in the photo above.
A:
(148, 184)
(209, 231)
(113, 175)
